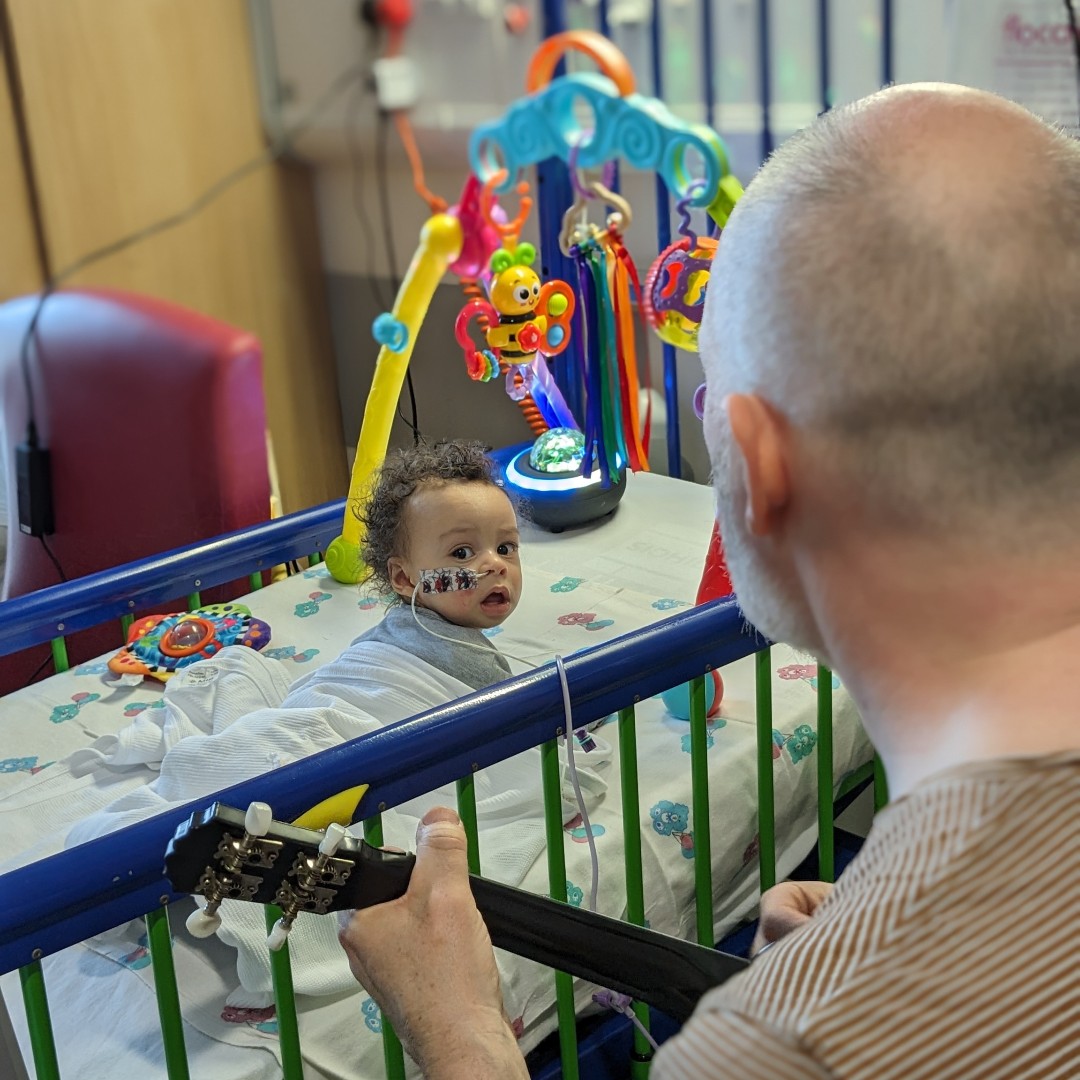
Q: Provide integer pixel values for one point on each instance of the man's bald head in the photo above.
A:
(902, 283)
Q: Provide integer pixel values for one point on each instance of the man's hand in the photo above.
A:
(427, 960)
(785, 907)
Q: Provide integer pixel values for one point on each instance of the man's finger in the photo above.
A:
(441, 850)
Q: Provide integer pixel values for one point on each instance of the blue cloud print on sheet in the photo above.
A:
(311, 606)
(673, 819)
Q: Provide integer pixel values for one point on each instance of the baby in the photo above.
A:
(443, 537)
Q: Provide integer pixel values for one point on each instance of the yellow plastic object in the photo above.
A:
(338, 809)
(440, 245)
(728, 193)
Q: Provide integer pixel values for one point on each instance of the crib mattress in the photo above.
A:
(582, 587)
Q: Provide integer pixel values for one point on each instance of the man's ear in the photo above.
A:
(399, 578)
(759, 436)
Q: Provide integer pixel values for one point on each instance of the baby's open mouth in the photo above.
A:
(498, 597)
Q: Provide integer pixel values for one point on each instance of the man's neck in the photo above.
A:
(945, 678)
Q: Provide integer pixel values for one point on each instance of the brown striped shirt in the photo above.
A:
(949, 949)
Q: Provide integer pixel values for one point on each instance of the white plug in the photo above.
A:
(202, 924)
(397, 83)
(331, 841)
(258, 819)
(276, 938)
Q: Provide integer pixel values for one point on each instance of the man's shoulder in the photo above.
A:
(718, 1044)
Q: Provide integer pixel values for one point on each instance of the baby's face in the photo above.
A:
(462, 525)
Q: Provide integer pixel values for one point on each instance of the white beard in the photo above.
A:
(768, 591)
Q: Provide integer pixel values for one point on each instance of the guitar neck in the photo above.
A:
(212, 855)
(661, 971)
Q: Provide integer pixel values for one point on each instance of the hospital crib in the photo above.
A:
(68, 897)
(86, 890)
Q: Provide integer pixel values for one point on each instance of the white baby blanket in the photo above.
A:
(233, 717)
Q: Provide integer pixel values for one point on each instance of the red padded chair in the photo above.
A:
(155, 420)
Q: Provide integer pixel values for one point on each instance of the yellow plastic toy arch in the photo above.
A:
(440, 245)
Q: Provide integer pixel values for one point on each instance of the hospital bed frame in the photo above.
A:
(105, 882)
(101, 884)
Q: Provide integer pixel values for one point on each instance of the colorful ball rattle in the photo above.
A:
(674, 295)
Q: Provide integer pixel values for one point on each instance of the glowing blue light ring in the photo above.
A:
(565, 483)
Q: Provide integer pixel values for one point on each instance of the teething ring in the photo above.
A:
(508, 230)
(598, 48)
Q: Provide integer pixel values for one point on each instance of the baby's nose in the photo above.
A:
(494, 563)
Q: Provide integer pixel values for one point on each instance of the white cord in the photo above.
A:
(467, 644)
(570, 735)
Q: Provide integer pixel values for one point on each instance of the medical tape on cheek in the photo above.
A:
(450, 579)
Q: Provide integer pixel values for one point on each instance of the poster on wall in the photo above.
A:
(1021, 49)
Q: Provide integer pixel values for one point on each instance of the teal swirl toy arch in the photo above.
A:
(640, 130)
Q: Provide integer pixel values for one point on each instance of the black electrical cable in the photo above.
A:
(359, 205)
(352, 137)
(383, 181)
(278, 148)
(55, 561)
(38, 670)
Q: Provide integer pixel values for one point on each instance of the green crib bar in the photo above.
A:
(826, 852)
(292, 1061)
(125, 624)
(159, 938)
(881, 785)
(699, 778)
(766, 812)
(255, 580)
(393, 1055)
(38, 1021)
(564, 985)
(59, 654)
(194, 601)
(466, 805)
(635, 887)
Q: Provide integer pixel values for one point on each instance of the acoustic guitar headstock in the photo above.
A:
(226, 854)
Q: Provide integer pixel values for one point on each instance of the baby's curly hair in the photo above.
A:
(403, 471)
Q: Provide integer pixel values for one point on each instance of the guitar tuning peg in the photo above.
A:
(276, 938)
(258, 819)
(203, 922)
(331, 840)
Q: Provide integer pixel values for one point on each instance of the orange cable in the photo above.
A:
(435, 204)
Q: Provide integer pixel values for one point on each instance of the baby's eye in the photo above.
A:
(508, 547)
(463, 552)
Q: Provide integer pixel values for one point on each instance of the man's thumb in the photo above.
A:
(441, 847)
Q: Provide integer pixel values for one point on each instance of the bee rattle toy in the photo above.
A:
(521, 316)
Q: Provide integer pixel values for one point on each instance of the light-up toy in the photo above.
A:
(548, 478)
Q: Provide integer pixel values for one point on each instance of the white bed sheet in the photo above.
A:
(582, 587)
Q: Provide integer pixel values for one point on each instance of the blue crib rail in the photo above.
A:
(107, 881)
(64, 609)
